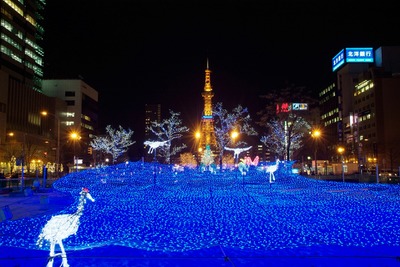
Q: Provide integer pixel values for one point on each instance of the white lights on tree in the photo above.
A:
(168, 130)
(224, 121)
(62, 226)
(115, 143)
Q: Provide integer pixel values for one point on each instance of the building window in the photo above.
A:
(69, 93)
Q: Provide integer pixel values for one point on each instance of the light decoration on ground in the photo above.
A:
(195, 211)
(62, 226)
(270, 169)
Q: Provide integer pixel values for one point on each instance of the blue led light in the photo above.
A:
(180, 211)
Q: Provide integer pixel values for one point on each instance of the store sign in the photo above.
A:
(365, 54)
(288, 107)
(338, 60)
(299, 106)
(353, 55)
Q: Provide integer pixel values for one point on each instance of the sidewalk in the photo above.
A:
(15, 205)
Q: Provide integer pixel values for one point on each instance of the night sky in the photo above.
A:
(137, 52)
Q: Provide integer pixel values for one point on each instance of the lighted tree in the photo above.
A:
(207, 158)
(168, 130)
(187, 159)
(225, 122)
(115, 143)
(285, 137)
(285, 126)
(228, 159)
(283, 97)
(22, 152)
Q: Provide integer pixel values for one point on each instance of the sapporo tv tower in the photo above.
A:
(207, 134)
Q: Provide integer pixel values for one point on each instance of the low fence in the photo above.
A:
(359, 178)
(28, 182)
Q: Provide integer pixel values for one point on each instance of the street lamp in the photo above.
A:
(22, 159)
(45, 113)
(198, 145)
(316, 134)
(75, 136)
(341, 151)
(234, 135)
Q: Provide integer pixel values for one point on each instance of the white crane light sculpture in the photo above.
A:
(62, 226)
(271, 169)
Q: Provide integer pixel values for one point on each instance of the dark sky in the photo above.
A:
(136, 52)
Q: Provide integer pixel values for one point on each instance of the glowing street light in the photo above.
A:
(22, 159)
(234, 135)
(197, 135)
(316, 134)
(75, 136)
(341, 151)
(45, 113)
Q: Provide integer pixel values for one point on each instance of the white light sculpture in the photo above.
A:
(271, 169)
(155, 144)
(237, 151)
(60, 227)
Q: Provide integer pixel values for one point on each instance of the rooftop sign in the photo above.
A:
(353, 55)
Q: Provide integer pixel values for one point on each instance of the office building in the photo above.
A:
(364, 119)
(80, 116)
(21, 74)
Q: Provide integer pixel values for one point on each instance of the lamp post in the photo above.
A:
(198, 145)
(23, 163)
(75, 136)
(316, 135)
(341, 151)
(22, 159)
(234, 135)
(45, 113)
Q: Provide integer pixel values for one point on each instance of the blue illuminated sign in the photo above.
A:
(338, 60)
(365, 54)
(353, 55)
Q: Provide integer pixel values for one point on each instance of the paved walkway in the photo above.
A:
(15, 205)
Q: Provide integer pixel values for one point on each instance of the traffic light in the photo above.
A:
(90, 150)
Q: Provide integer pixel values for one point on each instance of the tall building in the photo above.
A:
(21, 74)
(207, 134)
(364, 119)
(22, 41)
(81, 116)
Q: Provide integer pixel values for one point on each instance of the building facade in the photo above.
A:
(80, 116)
(364, 118)
(21, 98)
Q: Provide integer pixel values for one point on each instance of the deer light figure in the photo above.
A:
(62, 226)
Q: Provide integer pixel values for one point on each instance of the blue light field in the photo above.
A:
(190, 218)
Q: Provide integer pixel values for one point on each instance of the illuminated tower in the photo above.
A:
(207, 134)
